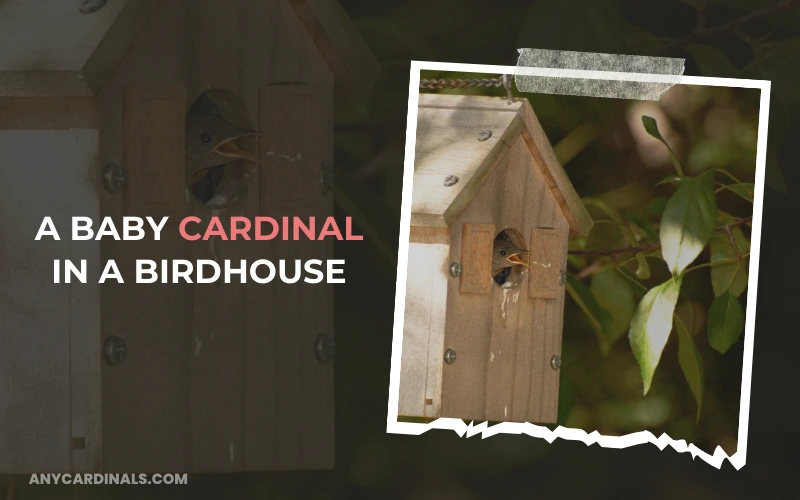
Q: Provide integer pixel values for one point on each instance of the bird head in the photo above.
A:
(505, 254)
(210, 140)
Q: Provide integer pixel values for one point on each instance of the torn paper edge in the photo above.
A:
(591, 74)
(457, 425)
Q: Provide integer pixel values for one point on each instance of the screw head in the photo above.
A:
(555, 362)
(450, 180)
(90, 6)
(455, 269)
(484, 135)
(324, 348)
(114, 350)
(113, 177)
(449, 356)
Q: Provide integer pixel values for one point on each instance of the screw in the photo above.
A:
(90, 6)
(455, 269)
(563, 277)
(324, 348)
(484, 135)
(449, 356)
(555, 362)
(450, 180)
(114, 350)
(113, 177)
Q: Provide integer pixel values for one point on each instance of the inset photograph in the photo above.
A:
(578, 262)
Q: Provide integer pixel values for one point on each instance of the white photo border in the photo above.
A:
(457, 425)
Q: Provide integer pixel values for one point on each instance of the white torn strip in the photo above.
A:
(592, 74)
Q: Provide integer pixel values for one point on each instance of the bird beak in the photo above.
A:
(517, 260)
(230, 149)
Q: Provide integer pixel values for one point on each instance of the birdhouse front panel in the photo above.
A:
(489, 347)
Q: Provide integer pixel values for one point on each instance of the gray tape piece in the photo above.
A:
(597, 75)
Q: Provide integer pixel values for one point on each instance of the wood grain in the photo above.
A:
(476, 258)
(48, 113)
(339, 42)
(154, 131)
(289, 398)
(545, 264)
(43, 84)
(448, 144)
(423, 330)
(504, 340)
(146, 418)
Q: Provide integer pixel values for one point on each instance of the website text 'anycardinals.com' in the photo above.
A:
(87, 478)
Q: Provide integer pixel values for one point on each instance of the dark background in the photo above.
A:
(369, 156)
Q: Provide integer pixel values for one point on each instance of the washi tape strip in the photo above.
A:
(593, 74)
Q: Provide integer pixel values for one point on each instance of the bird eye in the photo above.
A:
(205, 138)
(503, 253)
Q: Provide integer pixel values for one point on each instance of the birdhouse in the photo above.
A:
(492, 210)
(167, 108)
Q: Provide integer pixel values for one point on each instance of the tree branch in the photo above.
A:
(702, 33)
(651, 246)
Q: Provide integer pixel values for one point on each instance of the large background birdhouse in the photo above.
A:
(169, 377)
(477, 344)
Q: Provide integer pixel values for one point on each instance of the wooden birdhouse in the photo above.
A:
(96, 117)
(479, 346)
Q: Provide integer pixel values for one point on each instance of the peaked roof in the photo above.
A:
(447, 128)
(352, 63)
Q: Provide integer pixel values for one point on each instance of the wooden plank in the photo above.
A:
(289, 394)
(339, 42)
(47, 329)
(423, 330)
(146, 420)
(476, 258)
(116, 41)
(504, 340)
(469, 102)
(432, 235)
(216, 365)
(154, 133)
(48, 113)
(84, 313)
(545, 261)
(448, 144)
(43, 84)
(568, 199)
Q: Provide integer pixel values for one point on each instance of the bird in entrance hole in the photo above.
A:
(210, 148)
(505, 257)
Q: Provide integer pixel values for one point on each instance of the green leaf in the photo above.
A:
(712, 61)
(675, 180)
(745, 189)
(643, 271)
(585, 299)
(725, 322)
(728, 274)
(688, 222)
(651, 326)
(614, 295)
(651, 126)
(691, 362)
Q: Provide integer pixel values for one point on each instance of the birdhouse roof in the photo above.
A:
(78, 58)
(451, 141)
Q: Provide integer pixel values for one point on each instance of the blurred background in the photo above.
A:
(607, 157)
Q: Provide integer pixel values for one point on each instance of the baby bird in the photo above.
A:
(506, 255)
(210, 147)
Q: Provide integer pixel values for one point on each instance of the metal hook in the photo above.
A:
(507, 79)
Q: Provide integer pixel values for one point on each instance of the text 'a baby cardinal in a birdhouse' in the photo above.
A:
(505, 257)
(210, 149)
